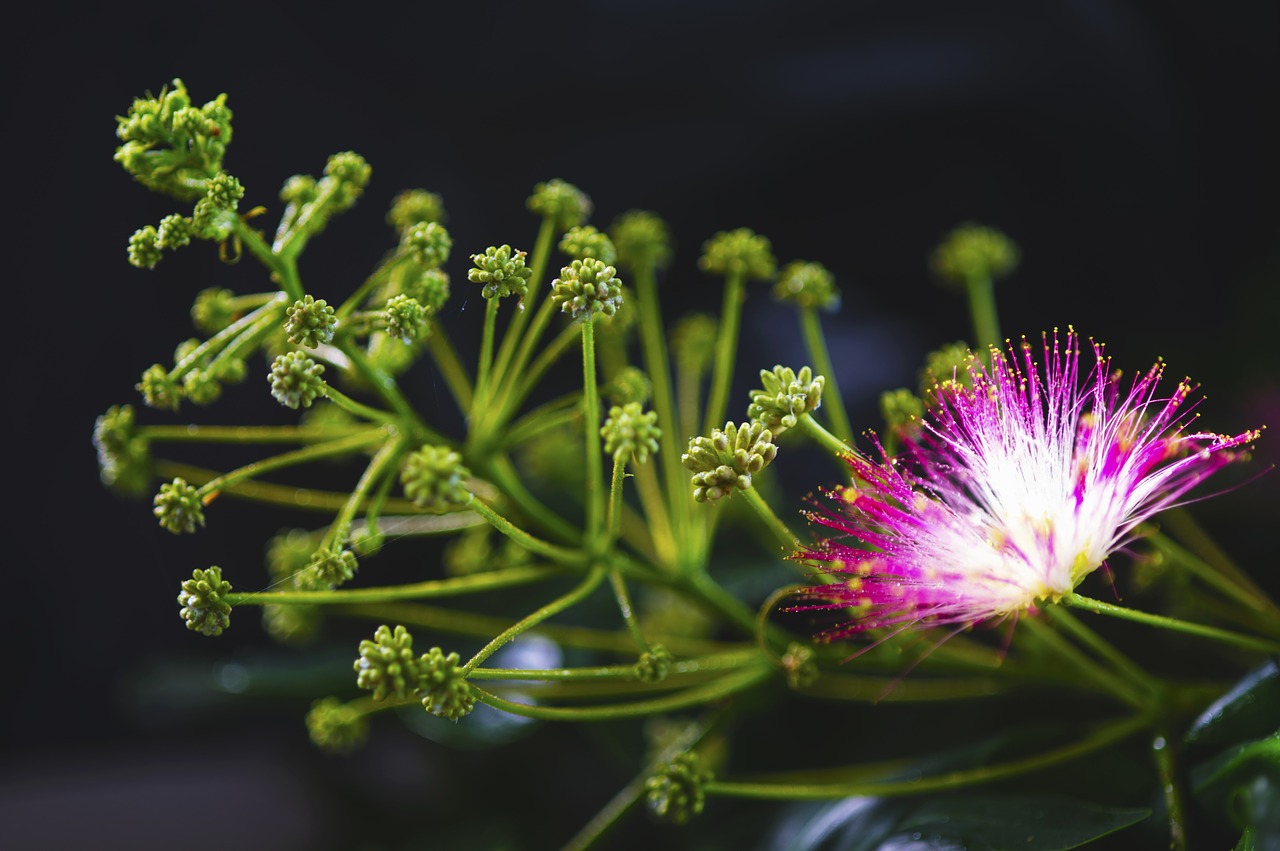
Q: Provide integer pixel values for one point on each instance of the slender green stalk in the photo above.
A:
(655, 513)
(579, 593)
(595, 467)
(248, 434)
(982, 310)
(430, 589)
(523, 383)
(546, 417)
(716, 663)
(499, 470)
(1248, 642)
(340, 529)
(386, 387)
(283, 272)
(613, 514)
(268, 311)
(726, 350)
(779, 529)
(828, 441)
(816, 343)
(1183, 523)
(538, 265)
(373, 510)
(379, 277)
(1103, 679)
(1247, 595)
(1171, 786)
(342, 446)
(451, 369)
(558, 554)
(351, 406)
(625, 608)
(1100, 738)
(1124, 666)
(480, 403)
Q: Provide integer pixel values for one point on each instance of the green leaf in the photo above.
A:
(1243, 785)
(1249, 711)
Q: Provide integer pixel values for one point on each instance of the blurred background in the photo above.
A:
(1130, 148)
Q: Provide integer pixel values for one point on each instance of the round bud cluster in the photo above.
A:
(328, 568)
(351, 174)
(642, 239)
(158, 389)
(973, 250)
(738, 252)
(675, 793)
(443, 685)
(295, 380)
(404, 316)
(901, 409)
(310, 322)
(585, 241)
(201, 386)
(213, 309)
(174, 232)
(630, 432)
(654, 665)
(502, 271)
(563, 203)
(432, 289)
(214, 216)
(299, 189)
(434, 477)
(415, 206)
(178, 507)
(335, 726)
(728, 459)
(203, 602)
(587, 287)
(799, 666)
(947, 365)
(387, 666)
(807, 285)
(123, 455)
(786, 395)
(629, 385)
(144, 253)
(428, 242)
(693, 343)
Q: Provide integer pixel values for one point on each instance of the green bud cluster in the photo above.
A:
(900, 408)
(799, 666)
(738, 252)
(974, 250)
(472, 552)
(630, 384)
(428, 243)
(123, 455)
(335, 726)
(946, 364)
(502, 271)
(174, 232)
(786, 395)
(693, 342)
(586, 287)
(631, 433)
(443, 685)
(158, 389)
(415, 206)
(563, 203)
(295, 380)
(289, 553)
(214, 216)
(431, 289)
(807, 285)
(315, 201)
(178, 507)
(434, 477)
(144, 252)
(172, 146)
(310, 322)
(328, 568)
(203, 602)
(585, 241)
(213, 309)
(386, 665)
(642, 239)
(654, 665)
(674, 793)
(728, 459)
(405, 317)
(346, 174)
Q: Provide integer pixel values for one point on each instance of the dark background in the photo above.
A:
(1130, 148)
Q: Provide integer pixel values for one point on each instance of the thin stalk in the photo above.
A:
(358, 409)
(655, 513)
(1103, 679)
(828, 441)
(1102, 737)
(583, 590)
(552, 415)
(816, 343)
(248, 434)
(499, 470)
(558, 554)
(1124, 666)
(726, 350)
(480, 401)
(1183, 523)
(283, 272)
(373, 511)
(379, 277)
(342, 446)
(431, 589)
(613, 513)
(523, 382)
(1171, 786)
(716, 663)
(982, 310)
(387, 388)
(340, 529)
(1248, 642)
(451, 369)
(625, 608)
(775, 525)
(595, 468)
(538, 265)
(215, 344)
(1248, 595)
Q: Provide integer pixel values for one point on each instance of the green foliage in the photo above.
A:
(204, 607)
(587, 287)
(171, 145)
(727, 459)
(785, 396)
(214, 216)
(295, 380)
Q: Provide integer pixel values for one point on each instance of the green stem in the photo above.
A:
(351, 406)
(387, 388)
(1171, 785)
(1103, 679)
(816, 343)
(451, 369)
(828, 441)
(779, 529)
(379, 276)
(342, 446)
(1100, 738)
(248, 434)
(560, 555)
(613, 514)
(214, 344)
(480, 402)
(1248, 595)
(655, 512)
(695, 696)
(584, 588)
(552, 415)
(340, 529)
(595, 468)
(715, 663)
(283, 271)
(1248, 642)
(1184, 525)
(625, 608)
(726, 350)
(499, 470)
(521, 383)
(1123, 665)
(433, 588)
(538, 266)
(982, 310)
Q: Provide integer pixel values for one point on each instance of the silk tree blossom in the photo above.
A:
(1014, 490)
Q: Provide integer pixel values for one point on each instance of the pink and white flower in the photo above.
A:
(1015, 490)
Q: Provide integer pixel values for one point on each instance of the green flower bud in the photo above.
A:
(901, 409)
(728, 459)
(629, 385)
(433, 477)
(178, 507)
(201, 387)
(674, 794)
(799, 666)
(214, 216)
(299, 189)
(203, 605)
(366, 542)
(561, 202)
(431, 290)
(213, 309)
(144, 252)
(785, 397)
(158, 389)
(172, 146)
(642, 240)
(295, 380)
(587, 287)
(294, 625)
(289, 553)
(123, 456)
(415, 206)
(174, 232)
(389, 353)
(335, 726)
(631, 433)
(405, 318)
(428, 242)
(502, 271)
(654, 665)
(387, 666)
(310, 322)
(973, 250)
(944, 365)
(327, 569)
(807, 285)
(585, 241)
(738, 252)
(351, 173)
(443, 685)
(232, 370)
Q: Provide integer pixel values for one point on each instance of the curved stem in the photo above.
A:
(779, 529)
(828, 441)
(1124, 666)
(351, 406)
(816, 342)
(561, 555)
(340, 528)
(1247, 595)
(283, 271)
(342, 446)
(1248, 642)
(626, 609)
(432, 588)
